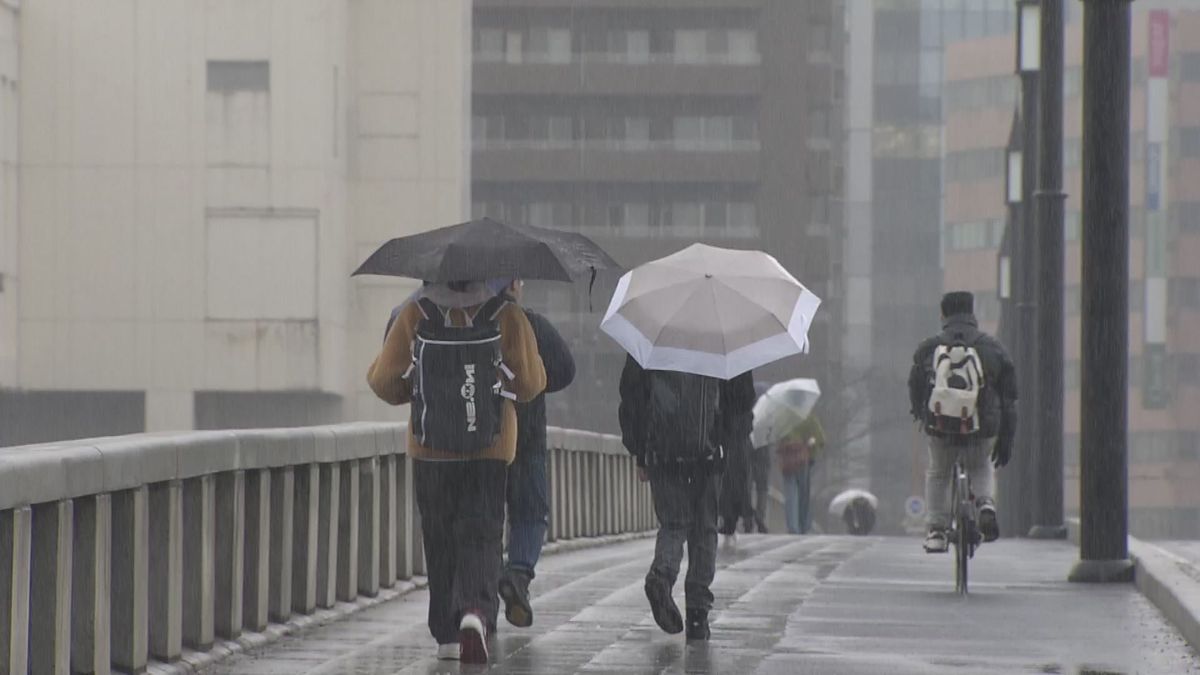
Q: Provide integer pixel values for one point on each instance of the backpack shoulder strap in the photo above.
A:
(428, 308)
(490, 310)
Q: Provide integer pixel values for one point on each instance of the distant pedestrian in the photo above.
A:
(734, 436)
(798, 452)
(963, 390)
(458, 354)
(528, 493)
(670, 423)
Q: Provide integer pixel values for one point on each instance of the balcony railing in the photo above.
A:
(618, 58)
(619, 145)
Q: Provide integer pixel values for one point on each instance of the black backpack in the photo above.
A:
(458, 392)
(683, 417)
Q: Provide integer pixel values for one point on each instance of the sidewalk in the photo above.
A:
(850, 606)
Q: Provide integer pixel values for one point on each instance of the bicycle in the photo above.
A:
(963, 533)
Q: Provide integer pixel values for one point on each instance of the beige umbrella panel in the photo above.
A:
(710, 311)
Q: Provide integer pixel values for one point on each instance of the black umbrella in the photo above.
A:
(488, 249)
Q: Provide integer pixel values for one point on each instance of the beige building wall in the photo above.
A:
(198, 180)
(9, 134)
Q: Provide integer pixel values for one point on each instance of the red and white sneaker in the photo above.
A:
(472, 638)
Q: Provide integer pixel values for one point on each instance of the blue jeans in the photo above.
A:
(528, 510)
(796, 487)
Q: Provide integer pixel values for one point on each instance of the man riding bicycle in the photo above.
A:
(963, 391)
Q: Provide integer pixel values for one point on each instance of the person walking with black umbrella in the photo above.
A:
(528, 492)
(461, 356)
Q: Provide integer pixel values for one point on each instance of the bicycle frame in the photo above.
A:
(963, 532)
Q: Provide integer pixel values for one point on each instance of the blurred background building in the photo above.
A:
(649, 125)
(893, 205)
(186, 189)
(1164, 295)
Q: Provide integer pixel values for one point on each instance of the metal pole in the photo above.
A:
(1007, 480)
(1104, 547)
(1024, 274)
(1049, 200)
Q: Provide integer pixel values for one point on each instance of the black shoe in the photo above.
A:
(514, 590)
(988, 527)
(662, 605)
(697, 625)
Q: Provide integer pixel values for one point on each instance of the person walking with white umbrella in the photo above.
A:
(695, 323)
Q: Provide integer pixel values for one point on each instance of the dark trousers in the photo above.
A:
(686, 506)
(735, 490)
(528, 509)
(462, 520)
(760, 474)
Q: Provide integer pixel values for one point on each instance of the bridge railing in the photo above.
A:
(115, 552)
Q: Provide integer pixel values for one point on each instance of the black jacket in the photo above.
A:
(560, 372)
(735, 416)
(998, 398)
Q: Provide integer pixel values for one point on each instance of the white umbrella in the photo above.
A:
(710, 311)
(781, 408)
(844, 498)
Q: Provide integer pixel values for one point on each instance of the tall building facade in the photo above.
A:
(650, 125)
(893, 198)
(194, 184)
(1164, 284)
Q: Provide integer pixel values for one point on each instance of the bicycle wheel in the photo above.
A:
(962, 552)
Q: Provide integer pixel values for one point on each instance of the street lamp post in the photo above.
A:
(1008, 485)
(1025, 268)
(1048, 200)
(1103, 396)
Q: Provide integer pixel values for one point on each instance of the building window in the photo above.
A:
(628, 46)
(1189, 142)
(686, 219)
(549, 45)
(743, 47)
(714, 133)
(691, 46)
(238, 114)
(489, 45)
(232, 76)
(551, 129)
(555, 215)
(1189, 66)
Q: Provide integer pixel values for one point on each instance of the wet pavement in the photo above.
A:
(784, 605)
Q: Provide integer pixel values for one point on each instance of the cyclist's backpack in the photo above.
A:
(458, 391)
(955, 395)
(682, 417)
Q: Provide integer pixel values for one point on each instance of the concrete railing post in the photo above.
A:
(166, 571)
(130, 623)
(406, 517)
(50, 588)
(199, 550)
(368, 526)
(91, 585)
(348, 519)
(571, 490)
(16, 528)
(552, 479)
(304, 541)
(387, 520)
(229, 527)
(283, 511)
(257, 571)
(327, 534)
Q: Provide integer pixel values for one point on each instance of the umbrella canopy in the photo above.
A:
(844, 498)
(484, 249)
(710, 311)
(784, 406)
